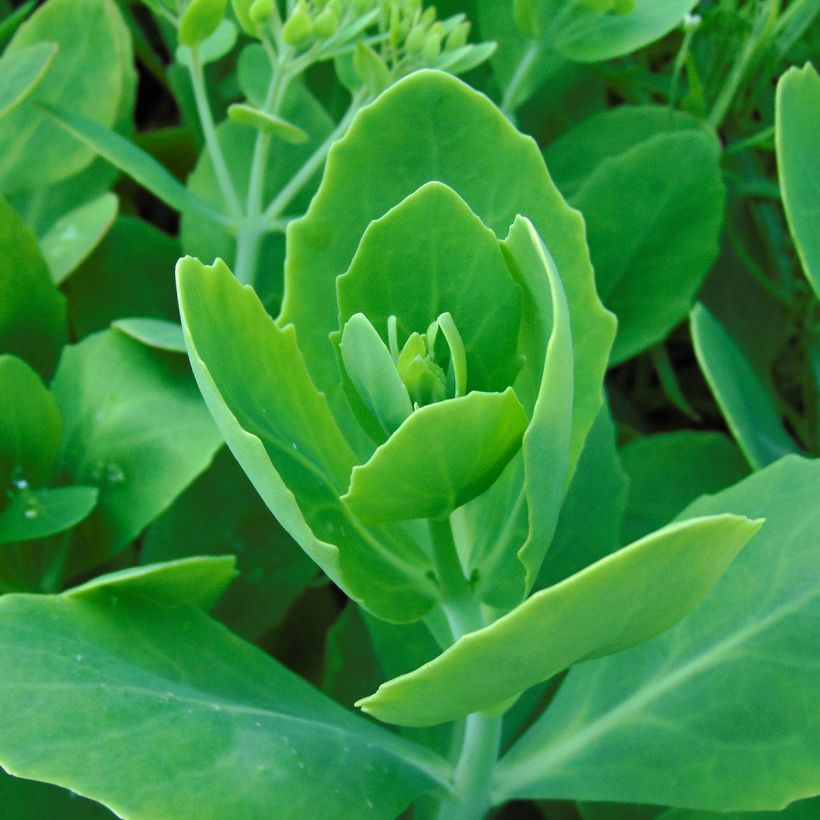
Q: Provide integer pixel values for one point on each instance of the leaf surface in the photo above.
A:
(33, 514)
(21, 72)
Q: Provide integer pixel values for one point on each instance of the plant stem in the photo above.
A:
(522, 72)
(455, 589)
(212, 145)
(473, 774)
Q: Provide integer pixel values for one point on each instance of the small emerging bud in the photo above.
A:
(326, 24)
(298, 26)
(261, 11)
(200, 20)
(415, 39)
(432, 47)
(457, 38)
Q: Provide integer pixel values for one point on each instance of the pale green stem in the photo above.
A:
(509, 102)
(212, 145)
(312, 164)
(455, 589)
(474, 770)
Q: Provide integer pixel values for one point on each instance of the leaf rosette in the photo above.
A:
(423, 384)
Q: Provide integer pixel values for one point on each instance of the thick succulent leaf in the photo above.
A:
(667, 471)
(654, 216)
(33, 514)
(134, 426)
(175, 691)
(443, 455)
(622, 600)
(273, 570)
(98, 293)
(157, 333)
(432, 254)
(198, 581)
(21, 72)
(32, 310)
(279, 427)
(30, 426)
(460, 139)
(72, 237)
(87, 76)
(748, 405)
(608, 133)
(727, 699)
(798, 146)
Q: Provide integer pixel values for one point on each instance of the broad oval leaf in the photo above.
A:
(34, 514)
(727, 699)
(21, 72)
(622, 600)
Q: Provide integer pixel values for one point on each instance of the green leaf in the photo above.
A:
(443, 455)
(99, 293)
(279, 427)
(460, 139)
(30, 427)
(373, 373)
(157, 333)
(622, 600)
(609, 133)
(273, 570)
(246, 114)
(87, 76)
(670, 470)
(797, 114)
(198, 581)
(654, 215)
(175, 691)
(132, 160)
(726, 700)
(36, 514)
(21, 72)
(747, 404)
(200, 20)
(75, 235)
(32, 310)
(134, 426)
(428, 255)
(799, 810)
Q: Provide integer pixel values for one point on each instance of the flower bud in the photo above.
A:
(200, 20)
(457, 38)
(415, 39)
(261, 11)
(526, 18)
(432, 47)
(326, 24)
(298, 26)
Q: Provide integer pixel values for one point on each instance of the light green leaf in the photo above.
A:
(87, 76)
(432, 254)
(246, 114)
(667, 471)
(132, 160)
(654, 215)
(72, 237)
(212, 48)
(177, 692)
(281, 431)
(200, 20)
(158, 333)
(609, 133)
(30, 427)
(21, 72)
(32, 310)
(136, 427)
(460, 139)
(372, 371)
(441, 457)
(622, 600)
(98, 293)
(273, 570)
(797, 114)
(727, 699)
(34, 514)
(748, 405)
(198, 581)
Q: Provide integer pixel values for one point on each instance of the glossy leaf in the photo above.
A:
(267, 123)
(443, 455)
(726, 699)
(177, 691)
(798, 145)
(281, 431)
(622, 600)
(21, 72)
(32, 310)
(158, 333)
(33, 149)
(460, 139)
(746, 402)
(72, 238)
(654, 216)
(134, 426)
(33, 514)
(667, 471)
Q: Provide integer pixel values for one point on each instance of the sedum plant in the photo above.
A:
(457, 553)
